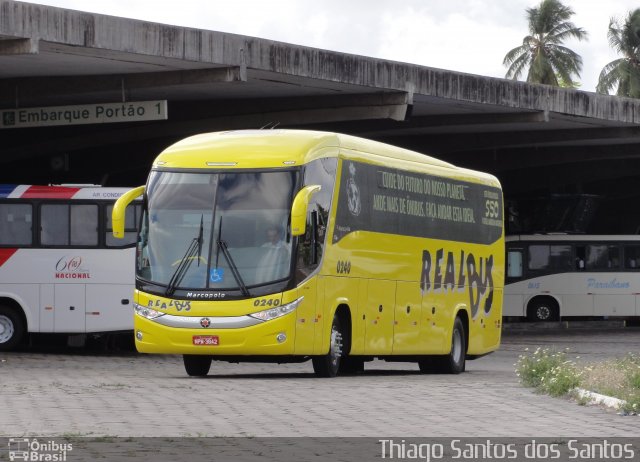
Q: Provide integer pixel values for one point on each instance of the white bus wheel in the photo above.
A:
(12, 328)
(542, 310)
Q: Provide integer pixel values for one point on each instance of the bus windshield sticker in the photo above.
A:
(216, 275)
(384, 200)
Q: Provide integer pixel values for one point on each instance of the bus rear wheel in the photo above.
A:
(542, 310)
(12, 328)
(197, 365)
(328, 365)
(454, 362)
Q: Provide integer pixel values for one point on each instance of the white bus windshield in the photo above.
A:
(216, 231)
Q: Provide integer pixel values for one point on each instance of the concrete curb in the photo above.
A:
(597, 398)
(562, 325)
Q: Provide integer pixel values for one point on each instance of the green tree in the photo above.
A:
(623, 72)
(542, 50)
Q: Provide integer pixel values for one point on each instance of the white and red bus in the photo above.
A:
(61, 270)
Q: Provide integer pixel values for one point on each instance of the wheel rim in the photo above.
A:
(543, 312)
(456, 346)
(336, 346)
(6, 329)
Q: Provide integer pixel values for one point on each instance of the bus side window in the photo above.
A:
(131, 223)
(580, 257)
(603, 257)
(514, 264)
(15, 224)
(84, 225)
(64, 225)
(632, 257)
(322, 172)
(54, 224)
(550, 257)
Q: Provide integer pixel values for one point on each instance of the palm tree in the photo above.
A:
(542, 50)
(624, 72)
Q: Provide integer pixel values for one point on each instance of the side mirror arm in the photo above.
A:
(118, 213)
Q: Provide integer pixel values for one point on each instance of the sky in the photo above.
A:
(469, 36)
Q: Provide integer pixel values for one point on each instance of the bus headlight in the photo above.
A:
(276, 312)
(146, 312)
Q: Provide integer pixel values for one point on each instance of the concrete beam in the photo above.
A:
(380, 128)
(508, 140)
(23, 46)
(396, 102)
(44, 87)
(510, 160)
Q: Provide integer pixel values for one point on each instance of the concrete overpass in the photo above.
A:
(537, 139)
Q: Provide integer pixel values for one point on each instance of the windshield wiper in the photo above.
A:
(232, 265)
(194, 250)
(200, 238)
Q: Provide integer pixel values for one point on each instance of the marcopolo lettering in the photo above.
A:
(206, 295)
(449, 271)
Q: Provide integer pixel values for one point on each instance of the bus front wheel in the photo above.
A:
(197, 365)
(329, 364)
(542, 310)
(12, 328)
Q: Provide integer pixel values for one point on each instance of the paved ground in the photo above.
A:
(73, 393)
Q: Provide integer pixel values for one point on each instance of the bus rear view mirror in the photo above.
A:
(299, 209)
(118, 214)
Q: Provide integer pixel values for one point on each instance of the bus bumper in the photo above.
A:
(274, 337)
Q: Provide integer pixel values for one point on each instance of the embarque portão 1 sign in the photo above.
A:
(135, 111)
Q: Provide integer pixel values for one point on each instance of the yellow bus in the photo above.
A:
(290, 245)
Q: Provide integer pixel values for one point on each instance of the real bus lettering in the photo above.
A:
(479, 276)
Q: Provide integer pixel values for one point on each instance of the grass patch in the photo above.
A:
(548, 371)
(619, 378)
(552, 372)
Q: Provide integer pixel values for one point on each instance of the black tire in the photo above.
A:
(542, 310)
(197, 365)
(455, 361)
(430, 364)
(351, 365)
(329, 365)
(12, 328)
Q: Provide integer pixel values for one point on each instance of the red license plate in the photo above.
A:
(211, 340)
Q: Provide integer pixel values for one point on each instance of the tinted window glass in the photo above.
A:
(320, 172)
(15, 224)
(632, 257)
(84, 225)
(63, 224)
(54, 224)
(514, 264)
(550, 257)
(217, 231)
(602, 257)
(132, 218)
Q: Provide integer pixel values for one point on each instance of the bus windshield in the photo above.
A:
(216, 231)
